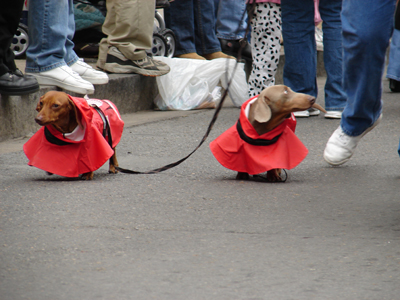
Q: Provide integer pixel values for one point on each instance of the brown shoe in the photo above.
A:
(218, 54)
(192, 55)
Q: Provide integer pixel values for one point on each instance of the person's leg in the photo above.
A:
(12, 80)
(265, 43)
(298, 31)
(230, 24)
(133, 28)
(366, 32)
(179, 17)
(206, 41)
(129, 27)
(10, 13)
(107, 28)
(51, 28)
(70, 56)
(77, 64)
(393, 69)
(335, 98)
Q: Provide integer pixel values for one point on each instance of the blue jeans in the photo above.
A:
(367, 28)
(193, 22)
(51, 29)
(298, 30)
(230, 24)
(393, 69)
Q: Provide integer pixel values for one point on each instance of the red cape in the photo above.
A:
(235, 154)
(77, 157)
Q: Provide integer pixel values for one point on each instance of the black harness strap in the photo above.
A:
(106, 125)
(255, 142)
(106, 128)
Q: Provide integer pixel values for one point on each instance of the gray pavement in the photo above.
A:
(194, 232)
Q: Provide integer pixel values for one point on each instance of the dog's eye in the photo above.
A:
(285, 92)
(56, 105)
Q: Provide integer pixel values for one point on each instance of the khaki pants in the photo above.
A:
(129, 27)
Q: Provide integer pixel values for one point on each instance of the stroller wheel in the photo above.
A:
(159, 47)
(20, 42)
(171, 41)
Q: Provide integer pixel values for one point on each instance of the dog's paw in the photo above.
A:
(112, 170)
(87, 176)
(274, 175)
(242, 176)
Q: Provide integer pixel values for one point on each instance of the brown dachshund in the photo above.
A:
(58, 110)
(272, 107)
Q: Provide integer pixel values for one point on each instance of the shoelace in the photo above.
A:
(70, 71)
(344, 138)
(83, 64)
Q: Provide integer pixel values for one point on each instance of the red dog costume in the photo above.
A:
(279, 148)
(85, 151)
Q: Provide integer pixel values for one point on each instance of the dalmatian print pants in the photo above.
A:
(265, 46)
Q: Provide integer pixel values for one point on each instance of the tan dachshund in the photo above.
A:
(263, 138)
(58, 110)
(272, 107)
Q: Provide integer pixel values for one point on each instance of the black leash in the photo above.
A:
(174, 164)
(214, 118)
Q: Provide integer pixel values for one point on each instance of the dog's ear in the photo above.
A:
(262, 112)
(39, 104)
(75, 112)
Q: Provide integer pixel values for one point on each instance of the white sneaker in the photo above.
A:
(340, 146)
(313, 112)
(333, 114)
(88, 73)
(307, 113)
(64, 77)
(302, 114)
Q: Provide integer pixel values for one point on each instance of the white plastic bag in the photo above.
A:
(192, 84)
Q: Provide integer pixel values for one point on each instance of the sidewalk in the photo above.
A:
(130, 92)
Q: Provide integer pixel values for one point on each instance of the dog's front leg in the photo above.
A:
(242, 176)
(87, 176)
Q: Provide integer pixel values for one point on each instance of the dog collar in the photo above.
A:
(54, 140)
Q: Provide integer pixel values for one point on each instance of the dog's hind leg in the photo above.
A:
(113, 163)
(274, 175)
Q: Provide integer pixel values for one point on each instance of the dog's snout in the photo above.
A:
(39, 119)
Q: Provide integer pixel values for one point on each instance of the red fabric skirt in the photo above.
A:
(234, 153)
(50, 151)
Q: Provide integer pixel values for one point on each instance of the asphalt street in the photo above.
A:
(194, 232)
